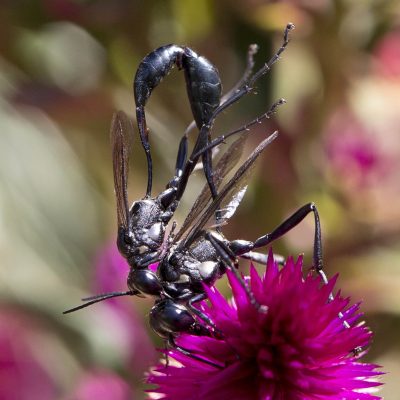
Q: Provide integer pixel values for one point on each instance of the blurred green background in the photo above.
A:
(66, 65)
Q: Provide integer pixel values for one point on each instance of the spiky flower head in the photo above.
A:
(300, 348)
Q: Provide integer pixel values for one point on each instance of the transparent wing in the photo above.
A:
(228, 160)
(121, 142)
(226, 212)
(230, 191)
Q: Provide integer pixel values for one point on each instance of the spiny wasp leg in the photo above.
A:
(243, 247)
(197, 152)
(251, 52)
(288, 225)
(249, 84)
(171, 342)
(285, 227)
(261, 258)
(195, 299)
(228, 258)
(247, 87)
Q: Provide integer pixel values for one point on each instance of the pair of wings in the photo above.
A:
(203, 209)
(231, 194)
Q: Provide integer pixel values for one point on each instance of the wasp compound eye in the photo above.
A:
(145, 281)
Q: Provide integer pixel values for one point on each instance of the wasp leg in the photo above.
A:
(240, 247)
(181, 156)
(251, 52)
(191, 299)
(207, 156)
(261, 258)
(228, 258)
(186, 352)
(249, 84)
(195, 299)
(144, 138)
(208, 170)
(166, 353)
(247, 87)
(202, 147)
(200, 314)
(289, 224)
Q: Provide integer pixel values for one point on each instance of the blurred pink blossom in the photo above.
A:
(111, 271)
(23, 373)
(354, 153)
(101, 385)
(387, 53)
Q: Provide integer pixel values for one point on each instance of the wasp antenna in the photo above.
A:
(97, 298)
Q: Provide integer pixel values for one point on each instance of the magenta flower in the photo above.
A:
(298, 349)
(354, 152)
(25, 372)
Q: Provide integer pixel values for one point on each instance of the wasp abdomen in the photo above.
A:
(203, 86)
(152, 70)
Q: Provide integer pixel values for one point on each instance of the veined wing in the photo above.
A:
(226, 212)
(121, 134)
(234, 186)
(228, 160)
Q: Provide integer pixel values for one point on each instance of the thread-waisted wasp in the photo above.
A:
(142, 227)
(203, 255)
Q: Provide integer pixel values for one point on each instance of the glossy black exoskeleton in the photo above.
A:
(204, 91)
(200, 256)
(195, 255)
(141, 229)
(203, 86)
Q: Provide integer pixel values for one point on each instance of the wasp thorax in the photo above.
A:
(145, 212)
(145, 226)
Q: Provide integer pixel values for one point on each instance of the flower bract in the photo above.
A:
(299, 348)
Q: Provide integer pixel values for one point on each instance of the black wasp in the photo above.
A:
(200, 256)
(196, 255)
(142, 227)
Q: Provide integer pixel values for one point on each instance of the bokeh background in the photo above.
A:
(66, 65)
